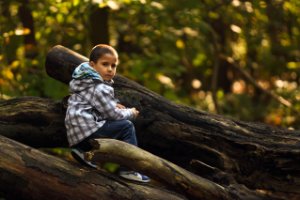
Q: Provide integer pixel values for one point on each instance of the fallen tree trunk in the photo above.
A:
(180, 179)
(36, 121)
(40, 123)
(33, 121)
(264, 159)
(27, 173)
(250, 160)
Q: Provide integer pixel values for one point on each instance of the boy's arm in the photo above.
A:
(105, 103)
(120, 106)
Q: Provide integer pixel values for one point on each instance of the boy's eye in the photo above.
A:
(106, 64)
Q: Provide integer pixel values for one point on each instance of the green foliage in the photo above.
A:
(110, 167)
(171, 47)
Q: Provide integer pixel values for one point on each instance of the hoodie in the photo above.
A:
(91, 103)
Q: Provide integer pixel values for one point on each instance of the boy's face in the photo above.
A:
(106, 66)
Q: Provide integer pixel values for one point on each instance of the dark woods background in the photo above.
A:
(231, 57)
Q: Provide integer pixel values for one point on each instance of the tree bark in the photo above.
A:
(27, 173)
(33, 121)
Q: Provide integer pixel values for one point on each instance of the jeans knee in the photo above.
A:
(129, 135)
(129, 124)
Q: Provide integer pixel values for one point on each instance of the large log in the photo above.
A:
(37, 122)
(33, 121)
(263, 158)
(252, 160)
(40, 124)
(29, 174)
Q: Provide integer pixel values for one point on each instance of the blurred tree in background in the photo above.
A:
(235, 58)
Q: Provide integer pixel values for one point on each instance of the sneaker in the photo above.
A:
(78, 155)
(134, 176)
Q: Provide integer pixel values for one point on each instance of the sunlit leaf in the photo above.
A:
(293, 65)
(199, 59)
(76, 2)
(22, 31)
(196, 83)
(180, 44)
(167, 81)
(220, 94)
(6, 73)
(113, 5)
(157, 5)
(111, 167)
(235, 28)
(59, 18)
(15, 64)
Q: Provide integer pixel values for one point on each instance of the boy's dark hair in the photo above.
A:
(99, 50)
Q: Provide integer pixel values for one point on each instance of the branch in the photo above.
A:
(157, 168)
(248, 77)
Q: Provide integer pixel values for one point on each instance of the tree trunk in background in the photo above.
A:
(99, 30)
(28, 23)
(27, 173)
(274, 12)
(8, 47)
(220, 43)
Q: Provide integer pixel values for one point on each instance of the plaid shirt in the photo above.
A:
(92, 103)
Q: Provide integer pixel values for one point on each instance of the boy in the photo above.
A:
(93, 112)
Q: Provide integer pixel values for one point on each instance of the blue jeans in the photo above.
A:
(120, 129)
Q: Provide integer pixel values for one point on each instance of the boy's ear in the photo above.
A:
(92, 63)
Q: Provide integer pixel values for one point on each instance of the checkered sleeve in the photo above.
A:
(105, 103)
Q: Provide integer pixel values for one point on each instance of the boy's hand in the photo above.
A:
(120, 106)
(135, 112)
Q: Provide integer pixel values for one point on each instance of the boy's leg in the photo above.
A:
(84, 145)
(78, 155)
(121, 130)
(134, 176)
